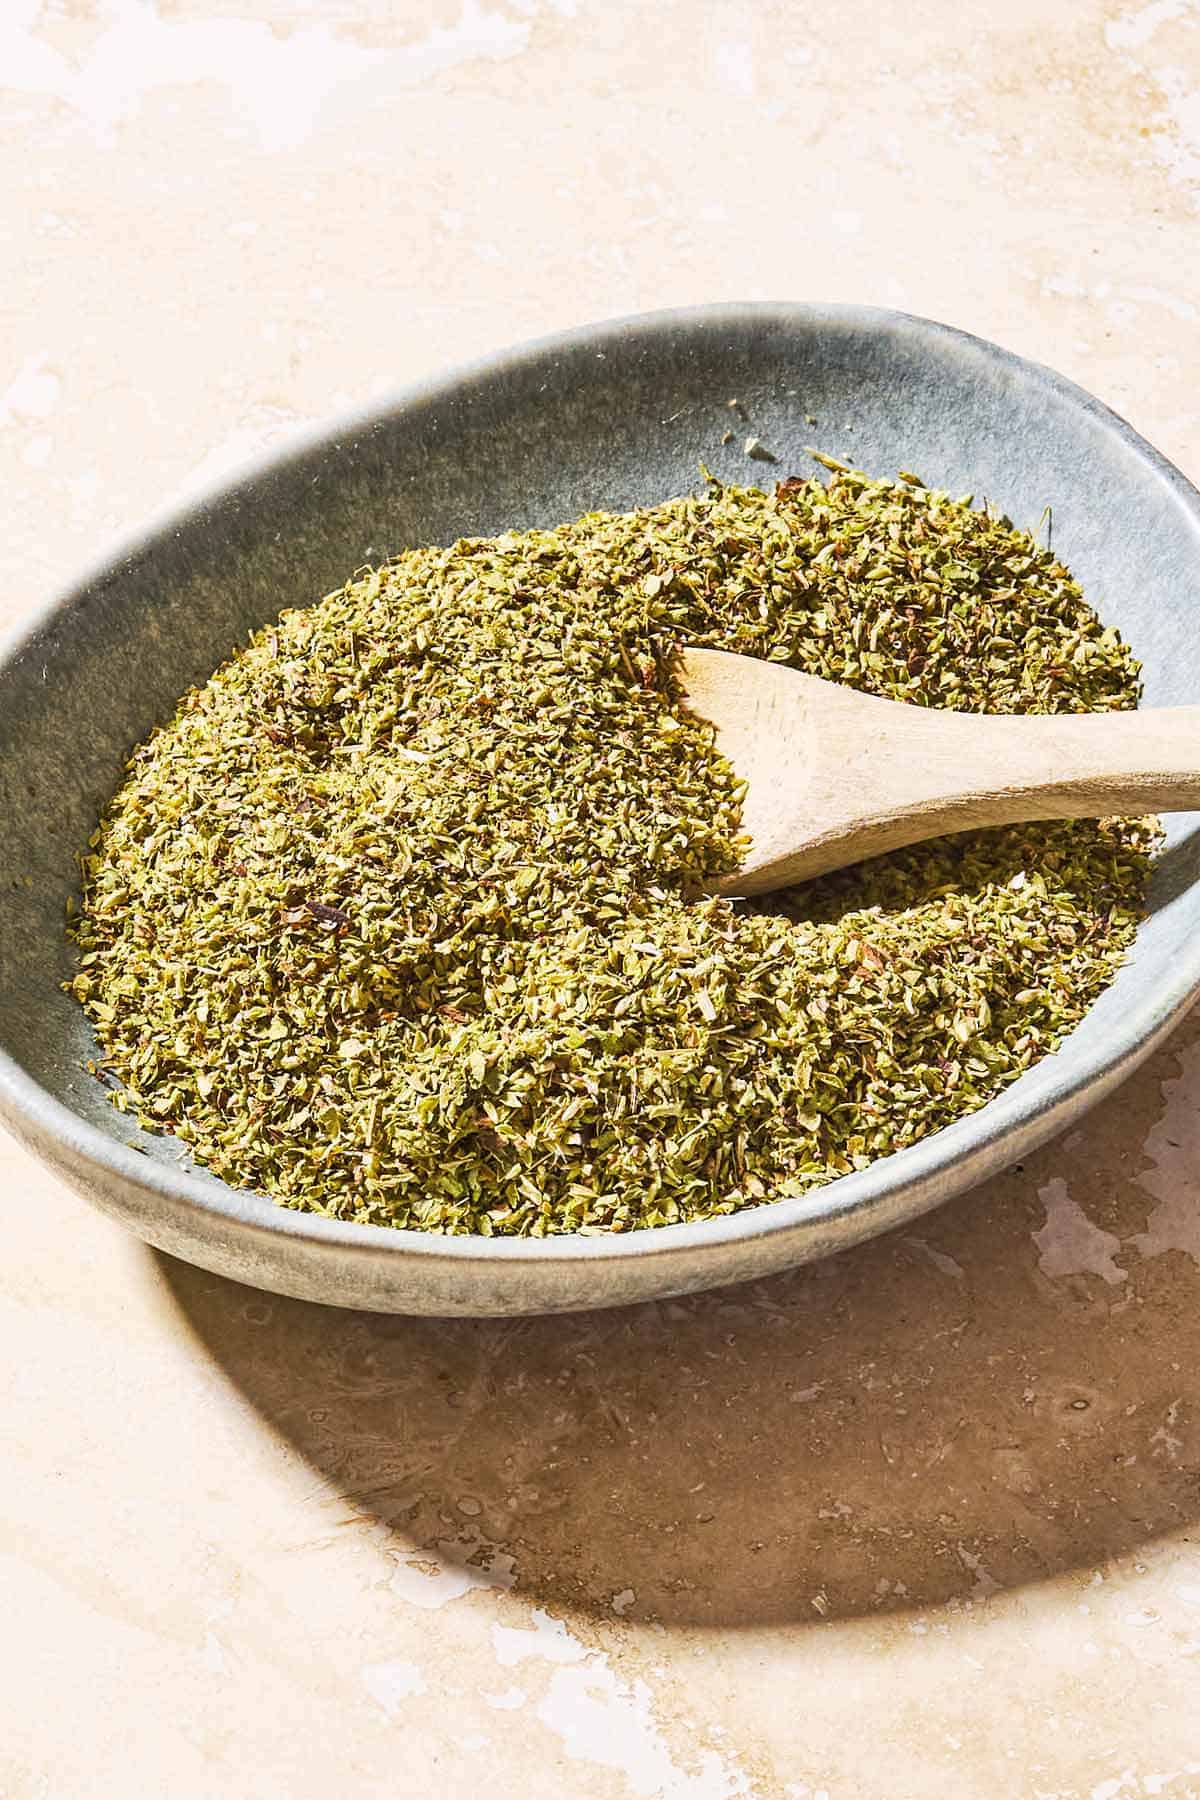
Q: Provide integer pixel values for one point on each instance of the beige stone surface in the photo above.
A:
(923, 1521)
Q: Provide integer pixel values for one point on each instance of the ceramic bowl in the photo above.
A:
(612, 416)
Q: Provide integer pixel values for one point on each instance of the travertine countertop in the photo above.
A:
(922, 1521)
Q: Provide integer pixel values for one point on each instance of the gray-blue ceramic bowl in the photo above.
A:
(611, 416)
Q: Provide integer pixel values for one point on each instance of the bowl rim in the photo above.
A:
(971, 1144)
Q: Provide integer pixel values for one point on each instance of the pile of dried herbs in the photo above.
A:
(398, 919)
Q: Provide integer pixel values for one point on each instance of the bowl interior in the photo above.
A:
(614, 417)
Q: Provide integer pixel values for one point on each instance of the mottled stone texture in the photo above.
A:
(919, 1521)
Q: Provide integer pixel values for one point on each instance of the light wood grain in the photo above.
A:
(835, 776)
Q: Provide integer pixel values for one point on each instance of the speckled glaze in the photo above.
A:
(611, 416)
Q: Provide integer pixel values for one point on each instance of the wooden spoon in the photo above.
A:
(834, 776)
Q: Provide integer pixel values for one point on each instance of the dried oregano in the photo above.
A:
(399, 918)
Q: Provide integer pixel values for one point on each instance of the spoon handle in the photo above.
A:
(1060, 765)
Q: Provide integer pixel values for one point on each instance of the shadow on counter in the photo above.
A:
(1008, 1391)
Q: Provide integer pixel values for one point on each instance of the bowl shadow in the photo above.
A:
(996, 1396)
